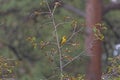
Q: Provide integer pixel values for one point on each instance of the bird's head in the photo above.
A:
(64, 37)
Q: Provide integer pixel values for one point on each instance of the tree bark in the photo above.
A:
(93, 47)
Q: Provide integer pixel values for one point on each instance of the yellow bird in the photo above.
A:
(63, 40)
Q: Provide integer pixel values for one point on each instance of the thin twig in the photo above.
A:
(57, 38)
(76, 57)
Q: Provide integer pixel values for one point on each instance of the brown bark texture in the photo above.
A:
(93, 46)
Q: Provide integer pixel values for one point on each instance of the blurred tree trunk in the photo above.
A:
(93, 47)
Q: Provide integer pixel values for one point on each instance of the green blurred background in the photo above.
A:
(21, 19)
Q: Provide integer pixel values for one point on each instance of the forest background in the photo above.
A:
(31, 31)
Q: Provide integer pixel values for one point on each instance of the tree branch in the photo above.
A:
(9, 11)
(107, 8)
(110, 7)
(73, 9)
(111, 27)
(12, 48)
